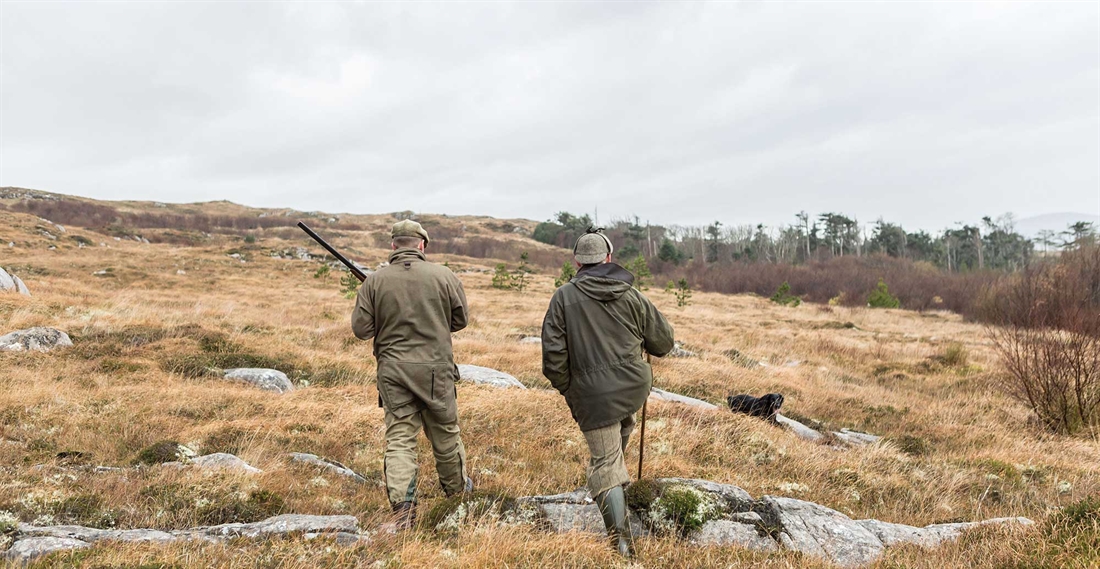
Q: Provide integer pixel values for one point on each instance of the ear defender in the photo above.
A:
(597, 231)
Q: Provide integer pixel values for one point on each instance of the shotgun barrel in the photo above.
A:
(355, 270)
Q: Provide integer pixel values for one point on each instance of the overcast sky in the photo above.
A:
(923, 113)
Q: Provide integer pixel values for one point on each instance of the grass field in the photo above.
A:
(156, 316)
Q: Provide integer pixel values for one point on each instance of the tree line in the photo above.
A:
(991, 244)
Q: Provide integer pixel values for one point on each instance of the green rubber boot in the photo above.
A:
(616, 519)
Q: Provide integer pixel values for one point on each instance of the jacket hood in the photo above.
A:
(604, 282)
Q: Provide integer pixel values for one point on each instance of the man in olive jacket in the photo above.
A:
(593, 339)
(410, 308)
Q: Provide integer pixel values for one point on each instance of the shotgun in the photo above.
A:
(355, 270)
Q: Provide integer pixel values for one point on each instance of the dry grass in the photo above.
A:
(956, 450)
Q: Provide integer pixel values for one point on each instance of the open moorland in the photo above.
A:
(149, 321)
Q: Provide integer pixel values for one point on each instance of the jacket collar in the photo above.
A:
(606, 271)
(407, 254)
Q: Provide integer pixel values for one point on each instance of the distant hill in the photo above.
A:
(1031, 226)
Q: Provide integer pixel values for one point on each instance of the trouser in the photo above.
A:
(606, 468)
(401, 466)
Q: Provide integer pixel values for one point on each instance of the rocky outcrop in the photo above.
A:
(329, 465)
(266, 379)
(9, 282)
(223, 461)
(26, 550)
(821, 532)
(35, 541)
(38, 339)
(488, 376)
(217, 461)
(732, 517)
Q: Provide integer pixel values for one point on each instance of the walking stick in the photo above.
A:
(641, 442)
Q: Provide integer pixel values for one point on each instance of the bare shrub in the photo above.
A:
(845, 280)
(1047, 332)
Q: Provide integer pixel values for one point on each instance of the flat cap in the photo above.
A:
(592, 247)
(409, 228)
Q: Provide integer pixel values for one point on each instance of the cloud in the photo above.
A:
(925, 114)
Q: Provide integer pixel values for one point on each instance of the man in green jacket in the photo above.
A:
(593, 339)
(410, 308)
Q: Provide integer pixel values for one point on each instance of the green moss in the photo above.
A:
(641, 494)
(682, 509)
(159, 453)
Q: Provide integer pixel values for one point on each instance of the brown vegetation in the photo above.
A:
(144, 335)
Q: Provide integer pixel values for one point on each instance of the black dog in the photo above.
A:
(763, 407)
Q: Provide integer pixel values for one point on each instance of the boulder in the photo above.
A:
(802, 431)
(34, 339)
(663, 395)
(7, 283)
(488, 376)
(222, 461)
(20, 287)
(266, 379)
(819, 531)
(330, 465)
(28, 549)
(736, 499)
(728, 532)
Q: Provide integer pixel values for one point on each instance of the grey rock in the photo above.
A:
(821, 532)
(488, 376)
(7, 283)
(678, 351)
(856, 438)
(566, 517)
(530, 340)
(891, 534)
(727, 532)
(736, 499)
(222, 461)
(26, 550)
(266, 379)
(34, 339)
(945, 532)
(799, 429)
(663, 395)
(68, 532)
(342, 538)
(137, 536)
(20, 287)
(579, 496)
(284, 524)
(330, 465)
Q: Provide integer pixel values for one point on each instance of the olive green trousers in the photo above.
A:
(607, 467)
(401, 465)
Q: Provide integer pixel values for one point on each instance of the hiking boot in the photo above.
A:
(616, 519)
(404, 515)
